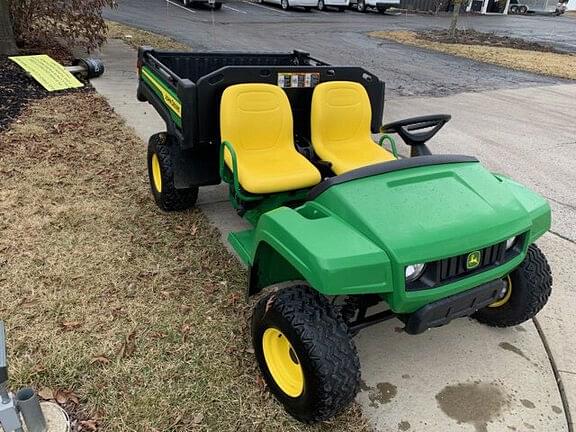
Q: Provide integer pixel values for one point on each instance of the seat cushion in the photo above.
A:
(256, 120)
(276, 172)
(358, 155)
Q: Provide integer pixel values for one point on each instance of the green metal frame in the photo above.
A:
(392, 142)
(231, 176)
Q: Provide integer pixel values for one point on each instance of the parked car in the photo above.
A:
(341, 5)
(380, 5)
(214, 4)
(287, 4)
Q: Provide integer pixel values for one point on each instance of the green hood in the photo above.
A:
(432, 212)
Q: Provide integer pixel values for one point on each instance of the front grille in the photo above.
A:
(450, 269)
(453, 267)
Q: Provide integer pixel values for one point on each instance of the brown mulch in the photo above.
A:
(16, 90)
(473, 37)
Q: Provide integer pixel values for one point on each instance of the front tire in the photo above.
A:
(321, 5)
(361, 6)
(527, 290)
(161, 176)
(284, 5)
(305, 353)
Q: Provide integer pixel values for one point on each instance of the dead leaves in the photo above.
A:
(61, 396)
(89, 425)
(70, 325)
(128, 347)
(100, 359)
(46, 394)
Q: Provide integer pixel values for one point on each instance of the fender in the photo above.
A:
(311, 244)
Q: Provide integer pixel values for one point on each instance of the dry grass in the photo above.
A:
(545, 63)
(140, 313)
(136, 37)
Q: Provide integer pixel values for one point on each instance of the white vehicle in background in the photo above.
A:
(341, 5)
(380, 5)
(287, 4)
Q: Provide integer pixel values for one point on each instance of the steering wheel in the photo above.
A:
(408, 128)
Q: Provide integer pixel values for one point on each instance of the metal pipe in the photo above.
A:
(29, 406)
(4, 396)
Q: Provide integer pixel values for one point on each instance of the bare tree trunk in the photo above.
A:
(7, 43)
(454, 21)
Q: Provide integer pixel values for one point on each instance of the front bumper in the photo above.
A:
(459, 305)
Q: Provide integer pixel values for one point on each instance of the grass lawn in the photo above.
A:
(545, 63)
(138, 314)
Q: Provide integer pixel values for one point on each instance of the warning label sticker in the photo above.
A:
(298, 79)
(48, 72)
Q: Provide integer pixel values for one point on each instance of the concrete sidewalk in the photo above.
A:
(462, 377)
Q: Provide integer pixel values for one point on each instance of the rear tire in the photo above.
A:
(284, 5)
(161, 176)
(523, 10)
(529, 285)
(361, 6)
(316, 371)
(321, 5)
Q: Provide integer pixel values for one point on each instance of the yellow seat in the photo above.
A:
(257, 120)
(340, 126)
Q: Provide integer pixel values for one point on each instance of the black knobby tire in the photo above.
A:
(168, 198)
(324, 348)
(531, 287)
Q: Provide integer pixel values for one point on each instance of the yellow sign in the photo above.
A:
(48, 72)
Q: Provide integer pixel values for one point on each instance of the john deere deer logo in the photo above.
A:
(473, 260)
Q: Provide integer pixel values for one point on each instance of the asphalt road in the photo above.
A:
(341, 38)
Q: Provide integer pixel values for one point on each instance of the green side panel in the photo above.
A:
(243, 244)
(158, 86)
(331, 255)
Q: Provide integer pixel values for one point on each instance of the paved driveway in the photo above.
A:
(341, 38)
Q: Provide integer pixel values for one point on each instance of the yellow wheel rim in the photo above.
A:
(282, 362)
(507, 295)
(156, 173)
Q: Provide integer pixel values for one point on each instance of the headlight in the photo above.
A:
(414, 271)
(510, 242)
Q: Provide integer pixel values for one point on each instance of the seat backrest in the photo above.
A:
(340, 116)
(255, 118)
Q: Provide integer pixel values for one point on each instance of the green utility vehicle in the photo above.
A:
(340, 223)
